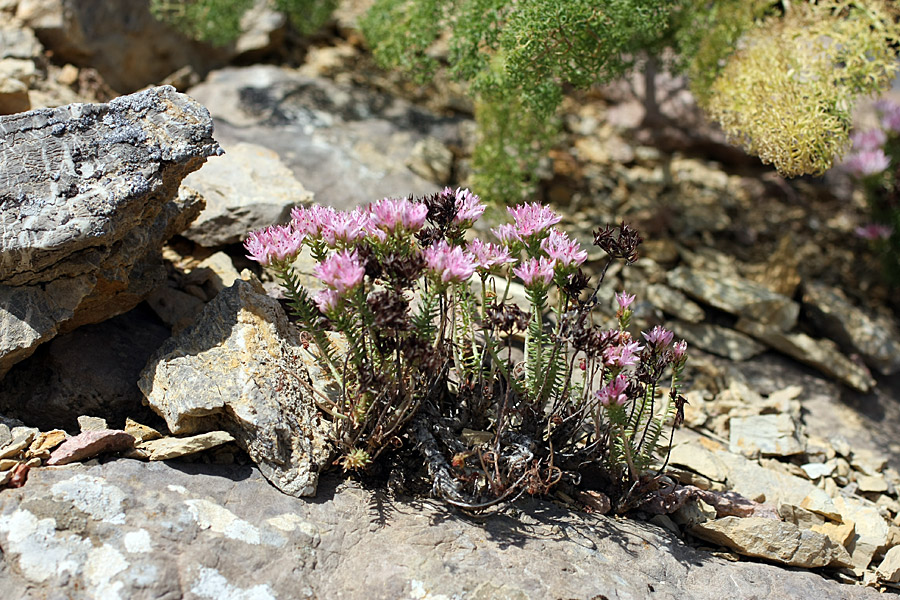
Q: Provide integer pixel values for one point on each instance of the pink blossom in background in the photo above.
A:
(396, 214)
(624, 300)
(560, 248)
(489, 255)
(468, 206)
(659, 336)
(621, 356)
(326, 300)
(277, 243)
(536, 271)
(534, 218)
(341, 271)
(890, 114)
(874, 231)
(450, 264)
(679, 350)
(613, 392)
(871, 139)
(867, 162)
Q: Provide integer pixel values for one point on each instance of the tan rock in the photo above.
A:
(840, 533)
(141, 433)
(222, 271)
(773, 540)
(700, 460)
(871, 483)
(7, 463)
(765, 435)
(805, 519)
(871, 530)
(92, 424)
(889, 569)
(47, 441)
(173, 447)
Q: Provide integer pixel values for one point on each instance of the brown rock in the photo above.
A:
(90, 444)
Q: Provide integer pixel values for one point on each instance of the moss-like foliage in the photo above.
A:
(786, 95)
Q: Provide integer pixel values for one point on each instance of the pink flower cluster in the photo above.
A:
(613, 392)
(622, 355)
(870, 139)
(659, 337)
(468, 206)
(874, 231)
(867, 162)
(395, 215)
(566, 252)
(488, 255)
(536, 272)
(335, 227)
(341, 271)
(890, 115)
(530, 222)
(450, 264)
(278, 243)
(624, 300)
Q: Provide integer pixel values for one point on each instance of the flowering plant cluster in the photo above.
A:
(875, 162)
(426, 322)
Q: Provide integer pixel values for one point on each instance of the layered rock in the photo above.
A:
(87, 198)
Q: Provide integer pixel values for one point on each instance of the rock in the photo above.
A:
(47, 441)
(248, 188)
(92, 424)
(765, 435)
(694, 512)
(174, 447)
(816, 470)
(239, 368)
(432, 160)
(737, 296)
(140, 432)
(717, 340)
(92, 370)
(868, 461)
(175, 308)
(773, 540)
(699, 459)
(90, 444)
(819, 354)
(348, 144)
(779, 273)
(871, 484)
(13, 97)
(86, 201)
(673, 302)
(210, 531)
(18, 42)
(889, 569)
(876, 339)
(221, 271)
(840, 533)
(870, 529)
(800, 517)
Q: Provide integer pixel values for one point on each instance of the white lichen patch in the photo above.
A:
(42, 552)
(93, 496)
(212, 584)
(291, 522)
(137, 542)
(104, 563)
(178, 489)
(221, 520)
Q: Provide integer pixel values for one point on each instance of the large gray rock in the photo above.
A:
(241, 368)
(87, 198)
(248, 188)
(717, 340)
(875, 338)
(127, 529)
(347, 144)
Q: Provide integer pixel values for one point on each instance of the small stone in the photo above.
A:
(47, 441)
(68, 75)
(840, 445)
(175, 308)
(172, 447)
(5, 435)
(773, 540)
(805, 519)
(674, 303)
(694, 512)
(868, 462)
(766, 435)
(7, 463)
(471, 437)
(5, 477)
(871, 483)
(21, 439)
(92, 424)
(816, 470)
(89, 444)
(139, 432)
(782, 400)
(840, 533)
(889, 569)
(700, 460)
(871, 529)
(221, 269)
(597, 502)
(430, 159)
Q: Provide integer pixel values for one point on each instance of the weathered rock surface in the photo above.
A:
(248, 188)
(717, 340)
(87, 197)
(153, 530)
(765, 435)
(822, 354)
(347, 144)
(90, 444)
(737, 296)
(775, 540)
(241, 368)
(171, 447)
(875, 338)
(674, 303)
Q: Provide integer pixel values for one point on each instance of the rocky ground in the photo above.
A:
(794, 346)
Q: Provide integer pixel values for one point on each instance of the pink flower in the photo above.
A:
(659, 336)
(613, 392)
(468, 206)
(890, 115)
(489, 255)
(564, 251)
(621, 356)
(327, 300)
(536, 272)
(507, 234)
(867, 162)
(343, 228)
(393, 215)
(341, 271)
(679, 350)
(278, 243)
(532, 219)
(624, 300)
(874, 231)
(449, 264)
(312, 220)
(871, 139)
